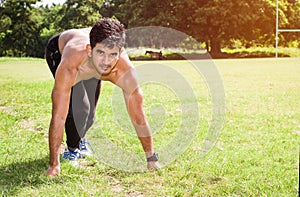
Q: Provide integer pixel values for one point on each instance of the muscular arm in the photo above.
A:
(64, 80)
(127, 80)
(134, 103)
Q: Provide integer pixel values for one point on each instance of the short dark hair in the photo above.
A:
(108, 32)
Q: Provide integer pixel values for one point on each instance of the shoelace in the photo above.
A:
(74, 155)
(83, 145)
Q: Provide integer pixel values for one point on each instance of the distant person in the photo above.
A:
(79, 60)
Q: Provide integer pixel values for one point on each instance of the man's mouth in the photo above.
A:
(105, 67)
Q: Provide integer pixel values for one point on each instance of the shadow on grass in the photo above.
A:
(24, 177)
(31, 173)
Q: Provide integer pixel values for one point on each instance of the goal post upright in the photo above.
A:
(276, 37)
(280, 30)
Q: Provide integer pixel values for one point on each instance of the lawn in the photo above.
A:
(256, 154)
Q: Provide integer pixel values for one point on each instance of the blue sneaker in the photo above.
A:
(86, 149)
(71, 155)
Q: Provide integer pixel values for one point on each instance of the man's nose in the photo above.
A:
(106, 60)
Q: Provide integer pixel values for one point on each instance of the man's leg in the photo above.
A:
(53, 57)
(93, 87)
(84, 97)
(77, 117)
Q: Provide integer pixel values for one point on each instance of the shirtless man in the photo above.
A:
(79, 59)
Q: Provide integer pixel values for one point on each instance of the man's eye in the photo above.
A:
(100, 52)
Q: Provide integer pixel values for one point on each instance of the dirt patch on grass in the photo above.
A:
(7, 110)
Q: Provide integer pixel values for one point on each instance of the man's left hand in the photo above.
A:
(153, 165)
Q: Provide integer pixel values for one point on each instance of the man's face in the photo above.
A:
(104, 59)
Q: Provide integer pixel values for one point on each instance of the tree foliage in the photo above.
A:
(79, 13)
(25, 27)
(22, 25)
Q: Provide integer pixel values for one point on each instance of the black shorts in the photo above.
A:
(53, 56)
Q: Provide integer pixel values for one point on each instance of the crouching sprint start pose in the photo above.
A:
(79, 59)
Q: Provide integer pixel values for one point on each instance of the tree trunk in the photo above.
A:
(215, 47)
(207, 46)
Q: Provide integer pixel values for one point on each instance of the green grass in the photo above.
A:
(257, 153)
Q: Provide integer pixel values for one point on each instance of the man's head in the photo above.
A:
(108, 32)
(107, 38)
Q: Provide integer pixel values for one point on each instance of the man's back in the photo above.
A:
(73, 48)
(74, 38)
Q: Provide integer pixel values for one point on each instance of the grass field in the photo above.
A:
(257, 153)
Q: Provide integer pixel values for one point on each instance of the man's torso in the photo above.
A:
(75, 41)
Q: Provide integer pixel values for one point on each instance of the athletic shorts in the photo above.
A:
(53, 56)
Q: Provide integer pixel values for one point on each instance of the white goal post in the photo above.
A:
(280, 30)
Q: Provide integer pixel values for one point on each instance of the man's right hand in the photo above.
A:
(53, 171)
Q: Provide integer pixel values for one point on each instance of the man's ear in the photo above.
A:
(89, 50)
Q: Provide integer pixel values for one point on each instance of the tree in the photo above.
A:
(289, 19)
(211, 21)
(217, 21)
(25, 29)
(21, 30)
(79, 13)
(138, 13)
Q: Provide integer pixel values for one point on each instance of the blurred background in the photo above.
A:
(224, 28)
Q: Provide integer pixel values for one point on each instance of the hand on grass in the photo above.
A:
(53, 171)
(153, 165)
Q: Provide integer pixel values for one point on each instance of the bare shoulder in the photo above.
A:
(124, 62)
(72, 46)
(76, 38)
(126, 77)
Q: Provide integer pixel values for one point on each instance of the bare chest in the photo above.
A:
(85, 73)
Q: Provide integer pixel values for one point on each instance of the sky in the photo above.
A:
(49, 2)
